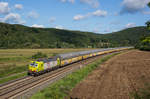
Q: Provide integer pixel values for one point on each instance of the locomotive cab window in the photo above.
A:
(33, 64)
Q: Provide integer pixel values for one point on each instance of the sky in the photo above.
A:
(99, 16)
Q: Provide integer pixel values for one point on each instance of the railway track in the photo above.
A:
(17, 88)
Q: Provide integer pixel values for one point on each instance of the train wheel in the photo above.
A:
(28, 74)
(35, 75)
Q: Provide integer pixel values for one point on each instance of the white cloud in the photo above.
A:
(99, 13)
(37, 26)
(133, 6)
(4, 8)
(146, 12)
(33, 14)
(71, 1)
(93, 3)
(114, 30)
(79, 17)
(63, 0)
(12, 18)
(129, 25)
(59, 27)
(18, 6)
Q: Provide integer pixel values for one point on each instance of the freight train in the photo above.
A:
(42, 66)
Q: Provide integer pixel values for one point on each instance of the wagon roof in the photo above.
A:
(73, 54)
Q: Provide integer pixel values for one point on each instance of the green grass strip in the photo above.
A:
(12, 70)
(14, 59)
(61, 88)
(142, 93)
(12, 78)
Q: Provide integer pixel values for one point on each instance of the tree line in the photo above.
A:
(144, 43)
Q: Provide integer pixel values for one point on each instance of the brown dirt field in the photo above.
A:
(116, 78)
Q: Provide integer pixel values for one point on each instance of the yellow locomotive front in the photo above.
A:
(35, 67)
(32, 67)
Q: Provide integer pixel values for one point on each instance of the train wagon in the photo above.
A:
(41, 66)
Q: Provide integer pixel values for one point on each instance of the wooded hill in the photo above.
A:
(19, 36)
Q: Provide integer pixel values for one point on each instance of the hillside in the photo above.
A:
(19, 36)
(128, 36)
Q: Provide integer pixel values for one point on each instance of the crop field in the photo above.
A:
(16, 60)
(125, 76)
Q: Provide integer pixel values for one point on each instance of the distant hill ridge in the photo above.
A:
(19, 36)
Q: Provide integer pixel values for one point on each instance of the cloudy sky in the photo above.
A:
(101, 16)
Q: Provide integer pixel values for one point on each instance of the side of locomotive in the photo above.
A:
(41, 66)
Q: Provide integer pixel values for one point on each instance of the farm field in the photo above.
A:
(122, 77)
(16, 60)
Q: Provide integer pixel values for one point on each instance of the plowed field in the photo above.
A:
(117, 78)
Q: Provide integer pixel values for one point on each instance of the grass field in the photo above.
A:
(16, 60)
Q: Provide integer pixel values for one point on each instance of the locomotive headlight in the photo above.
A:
(34, 70)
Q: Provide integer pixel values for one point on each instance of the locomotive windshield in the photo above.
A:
(33, 64)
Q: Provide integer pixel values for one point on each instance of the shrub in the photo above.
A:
(54, 54)
(39, 55)
(144, 44)
(143, 93)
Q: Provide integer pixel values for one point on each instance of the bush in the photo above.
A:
(144, 44)
(142, 93)
(54, 54)
(39, 55)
